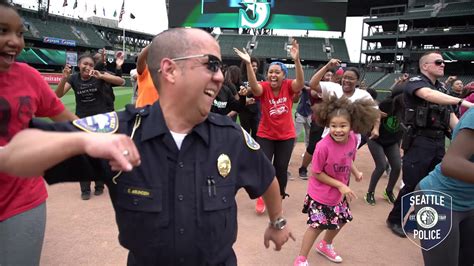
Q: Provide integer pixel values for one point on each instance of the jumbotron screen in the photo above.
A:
(327, 15)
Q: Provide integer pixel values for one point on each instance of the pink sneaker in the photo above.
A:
(301, 261)
(260, 206)
(327, 250)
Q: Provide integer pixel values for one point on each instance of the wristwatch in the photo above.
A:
(279, 223)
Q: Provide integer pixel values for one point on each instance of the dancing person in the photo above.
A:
(328, 196)
(90, 88)
(23, 95)
(276, 132)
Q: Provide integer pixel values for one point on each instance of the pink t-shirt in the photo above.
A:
(277, 119)
(23, 95)
(334, 159)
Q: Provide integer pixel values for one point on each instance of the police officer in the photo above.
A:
(178, 207)
(429, 117)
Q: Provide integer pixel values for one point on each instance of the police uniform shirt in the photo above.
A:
(178, 207)
(436, 118)
(418, 82)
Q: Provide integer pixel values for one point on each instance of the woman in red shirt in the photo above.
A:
(23, 94)
(276, 131)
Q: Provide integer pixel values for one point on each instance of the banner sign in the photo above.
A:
(59, 41)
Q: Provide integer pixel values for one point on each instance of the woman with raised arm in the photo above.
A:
(276, 132)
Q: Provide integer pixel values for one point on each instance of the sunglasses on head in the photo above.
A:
(438, 62)
(213, 63)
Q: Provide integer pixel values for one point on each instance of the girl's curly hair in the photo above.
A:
(362, 113)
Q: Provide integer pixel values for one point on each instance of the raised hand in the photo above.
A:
(67, 71)
(295, 50)
(243, 55)
(96, 74)
(333, 63)
(119, 59)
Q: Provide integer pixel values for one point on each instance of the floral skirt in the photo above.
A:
(324, 217)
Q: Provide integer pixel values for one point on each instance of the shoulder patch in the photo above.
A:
(251, 143)
(417, 78)
(101, 123)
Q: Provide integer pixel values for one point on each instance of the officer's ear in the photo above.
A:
(168, 70)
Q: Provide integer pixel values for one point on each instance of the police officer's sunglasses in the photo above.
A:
(213, 63)
(438, 62)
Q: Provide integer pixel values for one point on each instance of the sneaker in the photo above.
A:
(327, 250)
(98, 192)
(303, 173)
(260, 206)
(370, 198)
(301, 261)
(85, 195)
(389, 196)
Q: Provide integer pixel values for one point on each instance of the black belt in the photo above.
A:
(430, 133)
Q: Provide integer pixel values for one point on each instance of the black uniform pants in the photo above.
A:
(86, 186)
(419, 160)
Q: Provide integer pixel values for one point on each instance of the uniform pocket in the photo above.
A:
(218, 197)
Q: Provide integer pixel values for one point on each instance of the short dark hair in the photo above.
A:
(85, 55)
(170, 43)
(355, 70)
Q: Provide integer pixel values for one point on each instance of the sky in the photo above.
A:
(151, 17)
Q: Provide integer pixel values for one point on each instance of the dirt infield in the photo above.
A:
(84, 232)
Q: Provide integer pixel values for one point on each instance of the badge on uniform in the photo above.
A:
(251, 143)
(415, 79)
(101, 123)
(224, 165)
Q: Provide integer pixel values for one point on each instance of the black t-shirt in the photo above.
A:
(390, 130)
(225, 102)
(91, 95)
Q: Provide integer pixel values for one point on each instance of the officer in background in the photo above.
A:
(178, 207)
(429, 116)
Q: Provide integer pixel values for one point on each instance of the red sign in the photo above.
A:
(52, 78)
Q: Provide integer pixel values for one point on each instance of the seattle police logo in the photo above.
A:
(427, 217)
(101, 123)
(251, 143)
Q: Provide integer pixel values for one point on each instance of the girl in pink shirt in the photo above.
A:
(328, 189)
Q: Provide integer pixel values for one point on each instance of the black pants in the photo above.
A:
(419, 160)
(249, 121)
(280, 152)
(315, 132)
(380, 154)
(86, 186)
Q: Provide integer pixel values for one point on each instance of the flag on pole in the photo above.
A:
(122, 11)
(75, 5)
(65, 3)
